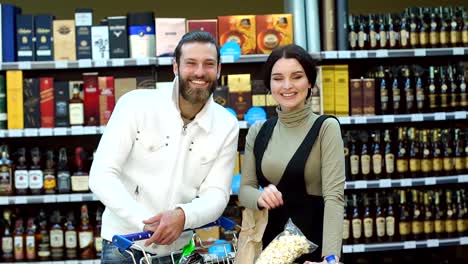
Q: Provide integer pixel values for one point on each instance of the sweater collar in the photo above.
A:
(296, 117)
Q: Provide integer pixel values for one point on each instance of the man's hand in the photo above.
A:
(270, 197)
(167, 227)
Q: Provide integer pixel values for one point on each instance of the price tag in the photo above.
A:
(439, 116)
(385, 183)
(49, 199)
(102, 129)
(458, 51)
(118, 62)
(344, 54)
(4, 200)
(381, 54)
(331, 55)
(61, 64)
(420, 52)
(45, 132)
(460, 115)
(417, 117)
(142, 61)
(388, 119)
(165, 60)
(90, 130)
(3, 133)
(21, 200)
(77, 130)
(344, 120)
(76, 198)
(227, 59)
(100, 63)
(85, 63)
(464, 240)
(358, 248)
(433, 243)
(60, 131)
(362, 54)
(430, 181)
(360, 184)
(462, 178)
(63, 198)
(24, 65)
(31, 132)
(360, 120)
(15, 133)
(406, 182)
(347, 249)
(409, 244)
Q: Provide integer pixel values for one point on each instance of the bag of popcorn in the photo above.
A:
(286, 247)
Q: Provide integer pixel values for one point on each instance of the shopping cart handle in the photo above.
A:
(223, 222)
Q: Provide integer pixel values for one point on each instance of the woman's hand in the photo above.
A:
(270, 197)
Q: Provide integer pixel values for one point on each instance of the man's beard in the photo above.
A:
(195, 95)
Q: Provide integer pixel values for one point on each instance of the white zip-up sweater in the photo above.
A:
(147, 162)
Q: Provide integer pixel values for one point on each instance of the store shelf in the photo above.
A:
(79, 64)
(47, 198)
(392, 183)
(57, 131)
(430, 243)
(379, 119)
(396, 53)
(93, 261)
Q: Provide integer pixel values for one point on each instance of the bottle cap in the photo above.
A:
(330, 259)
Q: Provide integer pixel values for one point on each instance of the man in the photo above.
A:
(166, 159)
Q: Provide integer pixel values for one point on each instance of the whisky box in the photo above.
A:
(328, 25)
(73, 84)
(8, 31)
(64, 40)
(83, 23)
(43, 33)
(15, 113)
(61, 100)
(368, 96)
(32, 103)
(46, 86)
(341, 90)
(241, 102)
(239, 83)
(25, 37)
(259, 92)
(106, 98)
(356, 101)
(328, 89)
(91, 98)
(146, 82)
(123, 85)
(118, 37)
(169, 31)
(141, 34)
(100, 40)
(273, 31)
(208, 25)
(221, 95)
(240, 29)
(3, 103)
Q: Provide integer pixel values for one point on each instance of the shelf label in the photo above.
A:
(458, 51)
(76, 198)
(462, 178)
(85, 63)
(4, 200)
(100, 63)
(347, 249)
(433, 243)
(77, 130)
(31, 132)
(24, 65)
(344, 120)
(118, 62)
(15, 133)
(464, 240)
(360, 184)
(63, 198)
(358, 248)
(45, 132)
(227, 59)
(406, 182)
(439, 116)
(385, 183)
(409, 244)
(381, 53)
(102, 129)
(90, 130)
(430, 181)
(360, 120)
(388, 119)
(142, 61)
(344, 54)
(60, 131)
(420, 52)
(330, 55)
(61, 64)
(21, 200)
(362, 54)
(165, 60)
(417, 117)
(460, 115)
(49, 199)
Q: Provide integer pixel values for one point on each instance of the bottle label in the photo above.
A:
(404, 228)
(450, 226)
(63, 181)
(98, 244)
(377, 163)
(380, 226)
(414, 39)
(426, 165)
(434, 38)
(404, 36)
(402, 165)
(459, 163)
(437, 164)
(21, 179)
(417, 227)
(373, 39)
(76, 113)
(423, 38)
(70, 239)
(368, 227)
(6, 184)
(50, 182)
(390, 163)
(345, 229)
(19, 248)
(80, 183)
(393, 38)
(390, 225)
(85, 239)
(56, 238)
(383, 39)
(444, 37)
(415, 165)
(362, 37)
(353, 39)
(439, 226)
(30, 247)
(357, 228)
(448, 164)
(461, 225)
(354, 160)
(7, 245)
(365, 164)
(36, 179)
(428, 227)
(465, 37)
(454, 38)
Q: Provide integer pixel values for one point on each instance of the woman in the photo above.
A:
(301, 180)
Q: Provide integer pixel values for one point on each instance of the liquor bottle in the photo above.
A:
(389, 156)
(437, 161)
(455, 34)
(353, 31)
(405, 29)
(346, 222)
(50, 181)
(463, 94)
(448, 153)
(444, 90)
(56, 236)
(415, 154)
(63, 173)
(7, 237)
(18, 240)
(393, 33)
(414, 29)
(434, 28)
(354, 160)
(433, 92)
(428, 217)
(459, 153)
(377, 159)
(420, 96)
(464, 29)
(43, 238)
(439, 222)
(402, 155)
(71, 239)
(365, 161)
(36, 176)
(424, 29)
(384, 93)
(346, 148)
(453, 91)
(85, 236)
(451, 216)
(80, 178)
(6, 176)
(31, 245)
(390, 219)
(383, 29)
(373, 33)
(461, 214)
(409, 91)
(426, 162)
(404, 225)
(396, 96)
(444, 28)
(363, 36)
(76, 107)
(417, 223)
(368, 221)
(97, 233)
(356, 222)
(379, 219)
(21, 173)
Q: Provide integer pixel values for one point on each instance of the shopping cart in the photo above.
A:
(225, 255)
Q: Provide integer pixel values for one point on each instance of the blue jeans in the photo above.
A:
(113, 255)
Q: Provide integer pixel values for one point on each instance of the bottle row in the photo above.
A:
(405, 214)
(417, 27)
(42, 235)
(34, 172)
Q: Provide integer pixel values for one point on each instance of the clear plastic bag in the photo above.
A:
(287, 246)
